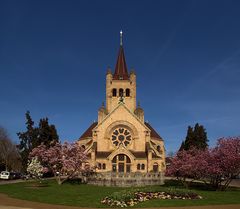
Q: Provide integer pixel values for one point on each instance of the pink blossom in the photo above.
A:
(65, 161)
(217, 165)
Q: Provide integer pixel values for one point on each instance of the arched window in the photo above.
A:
(158, 148)
(103, 166)
(99, 166)
(127, 92)
(83, 146)
(121, 92)
(155, 167)
(121, 163)
(138, 166)
(114, 92)
(143, 167)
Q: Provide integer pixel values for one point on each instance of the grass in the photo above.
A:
(90, 196)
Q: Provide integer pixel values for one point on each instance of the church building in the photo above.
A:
(121, 141)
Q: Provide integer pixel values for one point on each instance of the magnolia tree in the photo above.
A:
(188, 165)
(223, 162)
(35, 168)
(216, 166)
(65, 161)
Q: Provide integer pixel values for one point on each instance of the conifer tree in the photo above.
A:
(47, 133)
(201, 136)
(34, 136)
(190, 139)
(28, 140)
(196, 138)
(182, 146)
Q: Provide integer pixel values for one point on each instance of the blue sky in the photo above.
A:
(54, 56)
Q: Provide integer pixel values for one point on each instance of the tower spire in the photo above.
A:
(121, 38)
(121, 72)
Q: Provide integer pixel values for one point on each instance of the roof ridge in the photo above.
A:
(154, 133)
(88, 131)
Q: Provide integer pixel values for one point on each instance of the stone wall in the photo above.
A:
(126, 179)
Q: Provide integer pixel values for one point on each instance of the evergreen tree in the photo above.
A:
(34, 136)
(196, 137)
(182, 146)
(28, 140)
(47, 133)
(190, 139)
(200, 134)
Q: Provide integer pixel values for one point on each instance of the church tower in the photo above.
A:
(121, 142)
(120, 86)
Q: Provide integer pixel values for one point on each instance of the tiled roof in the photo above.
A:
(88, 132)
(136, 154)
(139, 154)
(102, 154)
(121, 72)
(154, 134)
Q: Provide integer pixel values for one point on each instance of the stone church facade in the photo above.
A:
(121, 142)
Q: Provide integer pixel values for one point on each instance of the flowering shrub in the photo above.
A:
(125, 199)
(35, 169)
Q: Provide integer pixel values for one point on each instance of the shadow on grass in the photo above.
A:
(194, 185)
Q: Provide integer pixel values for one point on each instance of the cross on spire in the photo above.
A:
(121, 38)
(121, 72)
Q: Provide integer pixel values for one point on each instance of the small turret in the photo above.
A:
(139, 112)
(109, 74)
(102, 112)
(132, 76)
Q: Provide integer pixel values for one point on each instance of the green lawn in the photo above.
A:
(90, 196)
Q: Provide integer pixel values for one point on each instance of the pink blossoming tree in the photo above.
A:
(216, 166)
(223, 162)
(65, 161)
(186, 165)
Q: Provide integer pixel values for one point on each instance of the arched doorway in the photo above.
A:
(121, 163)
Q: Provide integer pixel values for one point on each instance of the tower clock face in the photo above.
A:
(121, 136)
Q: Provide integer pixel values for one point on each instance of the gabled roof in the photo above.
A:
(121, 104)
(121, 72)
(154, 134)
(88, 132)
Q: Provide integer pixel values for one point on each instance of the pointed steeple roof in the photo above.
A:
(121, 72)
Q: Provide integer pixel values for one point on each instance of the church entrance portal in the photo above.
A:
(121, 164)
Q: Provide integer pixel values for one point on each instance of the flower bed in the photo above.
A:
(131, 199)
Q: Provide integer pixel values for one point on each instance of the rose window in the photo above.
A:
(121, 136)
